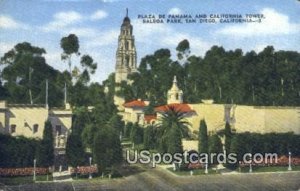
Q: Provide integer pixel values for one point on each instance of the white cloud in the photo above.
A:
(7, 22)
(104, 38)
(260, 47)
(175, 11)
(81, 31)
(109, 1)
(65, 23)
(5, 47)
(63, 19)
(100, 14)
(275, 23)
(53, 58)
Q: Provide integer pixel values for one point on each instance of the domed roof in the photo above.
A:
(126, 20)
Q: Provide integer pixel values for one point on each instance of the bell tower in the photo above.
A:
(175, 94)
(126, 52)
(125, 58)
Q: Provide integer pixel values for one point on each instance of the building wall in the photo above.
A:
(267, 119)
(62, 118)
(212, 113)
(247, 118)
(244, 118)
(25, 118)
(133, 115)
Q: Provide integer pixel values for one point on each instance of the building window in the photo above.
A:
(35, 128)
(127, 61)
(13, 128)
(58, 129)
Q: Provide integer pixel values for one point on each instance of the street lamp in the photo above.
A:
(250, 167)
(90, 174)
(290, 167)
(34, 168)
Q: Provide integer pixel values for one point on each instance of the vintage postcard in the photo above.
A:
(149, 95)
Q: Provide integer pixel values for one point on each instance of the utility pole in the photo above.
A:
(220, 92)
(282, 92)
(30, 94)
(65, 100)
(47, 94)
(253, 95)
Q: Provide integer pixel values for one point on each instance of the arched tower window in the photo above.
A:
(126, 45)
(127, 61)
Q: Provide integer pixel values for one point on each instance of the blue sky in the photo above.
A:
(97, 23)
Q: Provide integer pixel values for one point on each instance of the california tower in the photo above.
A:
(125, 57)
(126, 52)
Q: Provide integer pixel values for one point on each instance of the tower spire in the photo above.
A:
(175, 94)
(126, 12)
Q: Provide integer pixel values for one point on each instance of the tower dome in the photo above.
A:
(175, 94)
(126, 20)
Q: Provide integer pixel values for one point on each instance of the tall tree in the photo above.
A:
(46, 148)
(215, 145)
(149, 137)
(25, 71)
(136, 134)
(116, 122)
(107, 148)
(172, 117)
(183, 50)
(203, 137)
(70, 46)
(75, 152)
(174, 143)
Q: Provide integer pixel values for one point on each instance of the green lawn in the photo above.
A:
(270, 169)
(195, 172)
(23, 179)
(243, 170)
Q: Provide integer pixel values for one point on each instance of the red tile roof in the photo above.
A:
(135, 103)
(180, 107)
(149, 118)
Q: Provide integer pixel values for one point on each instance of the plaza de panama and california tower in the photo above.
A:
(125, 57)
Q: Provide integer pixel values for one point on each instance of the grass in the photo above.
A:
(195, 172)
(94, 179)
(23, 179)
(255, 169)
(270, 169)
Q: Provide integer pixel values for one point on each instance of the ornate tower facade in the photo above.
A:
(175, 94)
(126, 52)
(125, 58)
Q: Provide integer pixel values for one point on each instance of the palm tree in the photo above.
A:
(172, 120)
